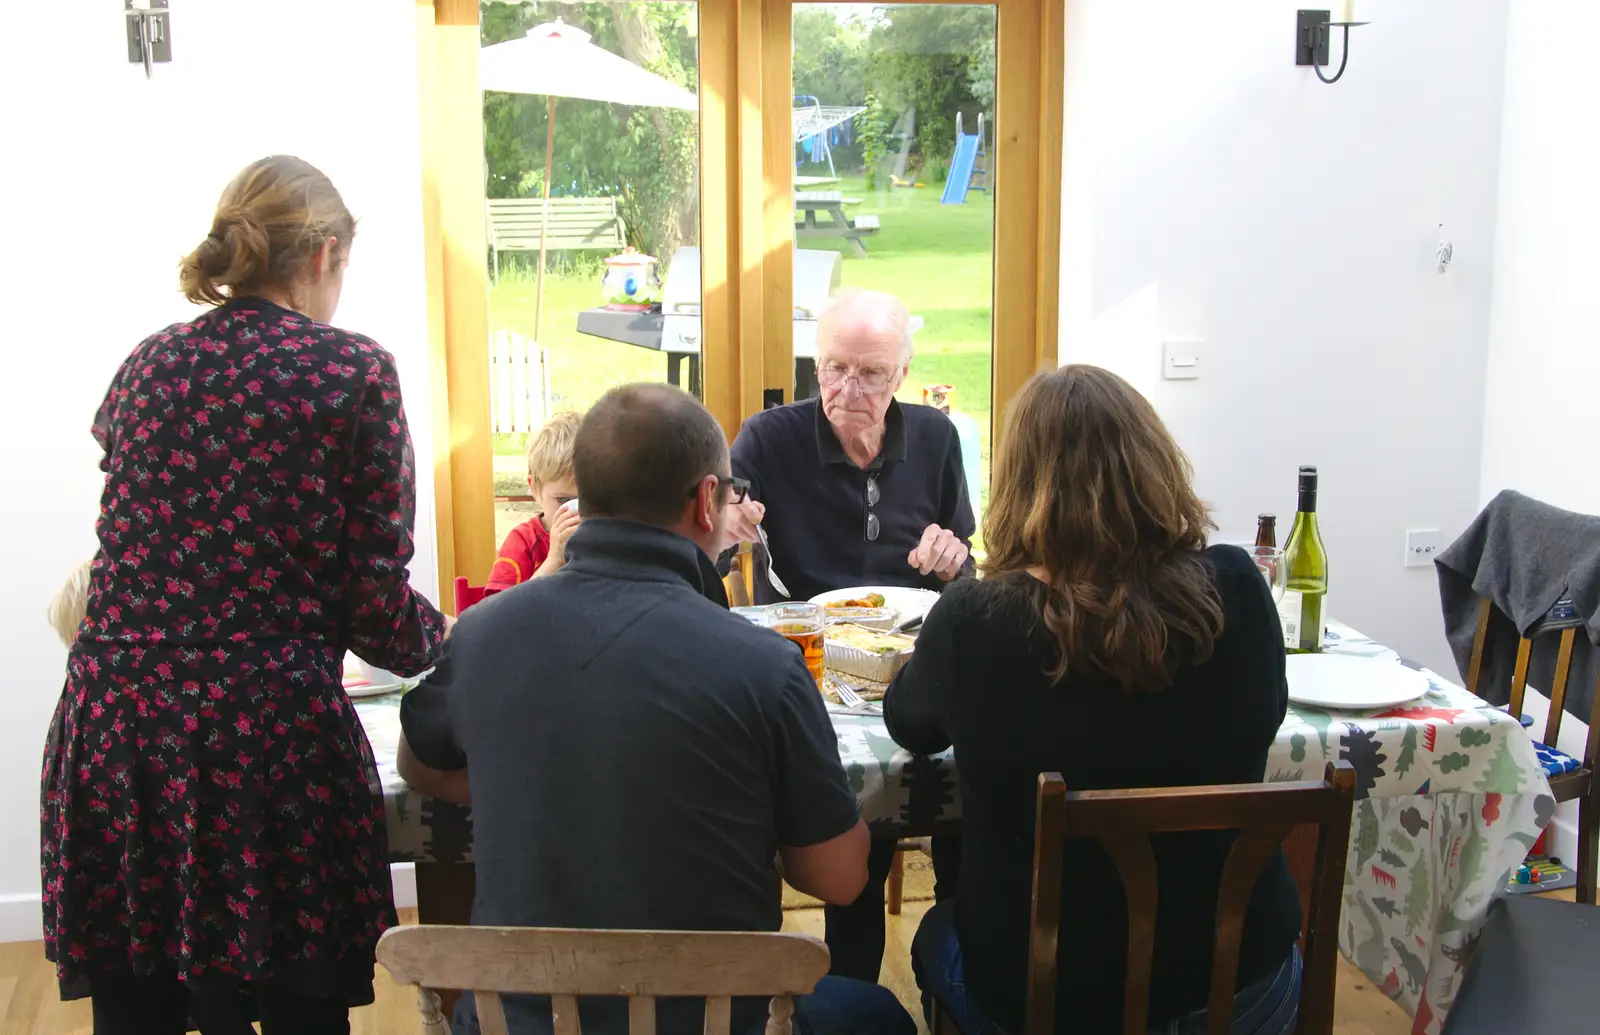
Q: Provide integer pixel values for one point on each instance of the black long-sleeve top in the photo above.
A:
(979, 681)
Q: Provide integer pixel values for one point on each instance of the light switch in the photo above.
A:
(1180, 360)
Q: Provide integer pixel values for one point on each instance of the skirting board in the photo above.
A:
(21, 921)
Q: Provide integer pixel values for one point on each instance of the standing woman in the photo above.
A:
(212, 834)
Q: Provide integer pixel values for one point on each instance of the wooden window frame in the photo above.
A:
(746, 231)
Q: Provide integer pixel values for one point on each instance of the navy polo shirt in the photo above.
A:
(816, 498)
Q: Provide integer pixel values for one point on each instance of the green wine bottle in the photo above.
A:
(1302, 610)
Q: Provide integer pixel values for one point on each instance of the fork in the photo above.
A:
(772, 576)
(847, 695)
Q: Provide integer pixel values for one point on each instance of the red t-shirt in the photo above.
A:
(520, 555)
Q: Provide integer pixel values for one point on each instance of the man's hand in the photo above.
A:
(567, 522)
(742, 521)
(939, 553)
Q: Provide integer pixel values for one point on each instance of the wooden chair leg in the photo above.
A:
(1588, 848)
(897, 882)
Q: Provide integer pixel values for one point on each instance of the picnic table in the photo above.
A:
(1450, 796)
(831, 203)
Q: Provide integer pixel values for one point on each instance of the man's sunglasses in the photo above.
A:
(739, 488)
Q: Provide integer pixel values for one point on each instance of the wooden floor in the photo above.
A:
(29, 1004)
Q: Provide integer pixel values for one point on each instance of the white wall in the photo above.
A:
(1544, 339)
(1544, 342)
(1213, 190)
(108, 179)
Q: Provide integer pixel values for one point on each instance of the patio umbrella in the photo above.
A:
(557, 60)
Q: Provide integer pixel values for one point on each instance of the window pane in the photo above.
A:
(614, 87)
(893, 133)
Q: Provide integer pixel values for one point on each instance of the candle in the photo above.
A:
(1343, 11)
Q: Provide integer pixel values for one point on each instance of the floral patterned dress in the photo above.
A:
(210, 806)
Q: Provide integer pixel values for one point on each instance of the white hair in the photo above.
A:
(876, 308)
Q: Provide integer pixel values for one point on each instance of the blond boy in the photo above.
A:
(538, 546)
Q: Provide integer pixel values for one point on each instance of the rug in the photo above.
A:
(918, 886)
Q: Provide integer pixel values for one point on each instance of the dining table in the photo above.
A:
(1451, 795)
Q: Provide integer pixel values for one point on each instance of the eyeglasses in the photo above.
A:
(872, 501)
(739, 488)
(834, 375)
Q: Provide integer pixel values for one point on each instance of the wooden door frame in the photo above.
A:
(746, 232)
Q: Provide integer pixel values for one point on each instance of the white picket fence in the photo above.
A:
(519, 383)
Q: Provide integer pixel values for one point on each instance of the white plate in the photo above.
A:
(372, 690)
(1346, 683)
(910, 603)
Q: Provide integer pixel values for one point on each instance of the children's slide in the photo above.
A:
(970, 152)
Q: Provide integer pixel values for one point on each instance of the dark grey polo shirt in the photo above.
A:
(638, 754)
(816, 499)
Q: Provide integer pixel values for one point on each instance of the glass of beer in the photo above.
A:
(802, 624)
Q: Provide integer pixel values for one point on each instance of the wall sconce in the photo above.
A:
(1311, 32)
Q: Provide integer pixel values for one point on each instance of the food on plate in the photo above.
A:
(852, 614)
(871, 600)
(866, 640)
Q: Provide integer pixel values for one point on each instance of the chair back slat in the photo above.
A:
(1136, 865)
(566, 963)
(1480, 636)
(564, 1015)
(1049, 817)
(641, 1015)
(1249, 855)
(491, 1013)
(1519, 678)
(719, 1016)
(1122, 821)
(1558, 686)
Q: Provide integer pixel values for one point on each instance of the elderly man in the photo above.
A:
(616, 781)
(856, 489)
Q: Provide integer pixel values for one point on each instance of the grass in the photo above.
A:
(939, 259)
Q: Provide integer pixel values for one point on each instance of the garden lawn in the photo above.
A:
(939, 259)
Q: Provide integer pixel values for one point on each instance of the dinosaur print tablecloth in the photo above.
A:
(1450, 797)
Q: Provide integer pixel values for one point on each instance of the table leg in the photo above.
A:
(674, 369)
(444, 896)
(694, 376)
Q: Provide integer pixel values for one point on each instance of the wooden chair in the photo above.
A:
(1571, 779)
(467, 594)
(642, 965)
(1122, 821)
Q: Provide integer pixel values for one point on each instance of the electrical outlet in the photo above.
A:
(1422, 546)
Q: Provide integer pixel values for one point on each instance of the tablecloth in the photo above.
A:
(1450, 797)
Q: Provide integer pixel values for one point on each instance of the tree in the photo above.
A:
(1419, 900)
(644, 157)
(922, 57)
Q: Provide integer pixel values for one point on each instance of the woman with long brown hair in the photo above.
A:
(212, 838)
(1108, 642)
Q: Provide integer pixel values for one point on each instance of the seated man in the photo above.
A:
(641, 757)
(856, 489)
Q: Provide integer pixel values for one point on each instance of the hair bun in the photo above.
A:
(268, 225)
